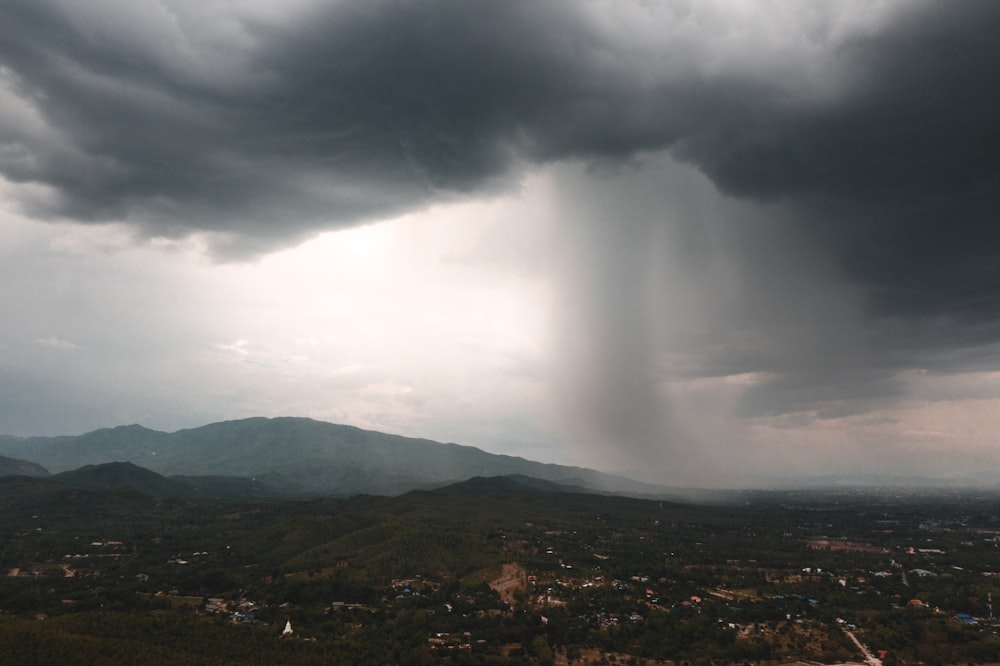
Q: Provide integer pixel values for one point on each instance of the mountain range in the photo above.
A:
(299, 456)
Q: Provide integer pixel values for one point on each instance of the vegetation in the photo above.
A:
(494, 571)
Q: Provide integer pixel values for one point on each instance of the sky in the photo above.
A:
(709, 242)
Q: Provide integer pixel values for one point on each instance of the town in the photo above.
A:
(484, 572)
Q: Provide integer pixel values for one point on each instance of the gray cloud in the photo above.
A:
(897, 175)
(348, 113)
(860, 153)
(353, 111)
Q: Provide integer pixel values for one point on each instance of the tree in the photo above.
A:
(540, 649)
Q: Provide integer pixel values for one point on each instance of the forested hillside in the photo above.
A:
(493, 570)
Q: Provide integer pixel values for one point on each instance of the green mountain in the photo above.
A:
(303, 456)
(16, 467)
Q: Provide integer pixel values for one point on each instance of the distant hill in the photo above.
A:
(16, 467)
(121, 475)
(303, 456)
(480, 486)
(128, 475)
(125, 476)
(137, 481)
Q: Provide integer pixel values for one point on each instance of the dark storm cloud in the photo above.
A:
(442, 92)
(915, 117)
(351, 111)
(897, 170)
(900, 177)
(880, 147)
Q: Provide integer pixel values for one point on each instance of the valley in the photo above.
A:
(493, 570)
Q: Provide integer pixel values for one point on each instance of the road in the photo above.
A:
(870, 659)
